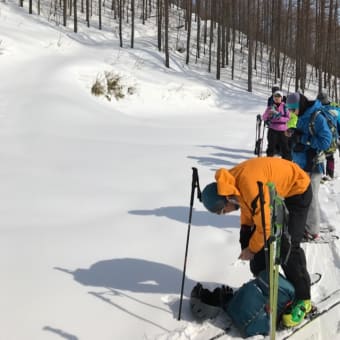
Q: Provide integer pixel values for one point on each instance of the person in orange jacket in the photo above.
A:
(238, 188)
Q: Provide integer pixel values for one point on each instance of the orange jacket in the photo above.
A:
(289, 180)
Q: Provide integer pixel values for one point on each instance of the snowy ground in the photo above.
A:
(94, 198)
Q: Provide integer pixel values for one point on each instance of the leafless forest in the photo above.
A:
(299, 40)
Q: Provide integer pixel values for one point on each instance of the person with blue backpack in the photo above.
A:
(308, 150)
(332, 114)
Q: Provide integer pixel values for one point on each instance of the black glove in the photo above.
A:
(245, 234)
(296, 136)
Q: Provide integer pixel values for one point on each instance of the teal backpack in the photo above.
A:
(249, 307)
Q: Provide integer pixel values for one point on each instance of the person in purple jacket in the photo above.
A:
(276, 117)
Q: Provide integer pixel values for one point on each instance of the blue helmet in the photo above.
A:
(211, 199)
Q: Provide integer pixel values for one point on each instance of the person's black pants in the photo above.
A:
(295, 267)
(278, 141)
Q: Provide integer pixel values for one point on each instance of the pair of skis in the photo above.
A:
(278, 221)
(259, 136)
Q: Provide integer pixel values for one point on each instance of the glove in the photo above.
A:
(276, 115)
(289, 132)
(246, 232)
(296, 136)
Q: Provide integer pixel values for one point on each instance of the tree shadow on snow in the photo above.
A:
(225, 157)
(199, 218)
(134, 275)
(60, 332)
(122, 275)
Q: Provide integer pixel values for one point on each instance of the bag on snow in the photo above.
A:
(249, 307)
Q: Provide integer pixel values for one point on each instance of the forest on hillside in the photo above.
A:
(298, 40)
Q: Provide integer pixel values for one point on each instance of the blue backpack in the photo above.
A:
(331, 115)
(249, 307)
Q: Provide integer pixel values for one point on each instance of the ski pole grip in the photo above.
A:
(195, 184)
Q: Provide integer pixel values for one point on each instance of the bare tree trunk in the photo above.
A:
(233, 38)
(278, 37)
(70, 7)
(218, 10)
(189, 16)
(75, 18)
(211, 35)
(132, 23)
(336, 52)
(159, 25)
(166, 32)
(99, 14)
(228, 26)
(120, 10)
(64, 12)
(250, 44)
(198, 43)
(143, 12)
(298, 46)
(223, 17)
(321, 42)
(87, 4)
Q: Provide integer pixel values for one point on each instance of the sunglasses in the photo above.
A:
(277, 96)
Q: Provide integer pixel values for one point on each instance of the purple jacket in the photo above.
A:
(276, 117)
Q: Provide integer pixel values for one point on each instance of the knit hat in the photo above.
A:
(293, 100)
(211, 199)
(275, 88)
(278, 94)
(323, 97)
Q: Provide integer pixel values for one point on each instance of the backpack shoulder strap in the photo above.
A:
(311, 127)
(285, 110)
(254, 204)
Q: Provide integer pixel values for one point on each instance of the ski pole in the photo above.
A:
(262, 139)
(258, 135)
(262, 202)
(194, 185)
(269, 264)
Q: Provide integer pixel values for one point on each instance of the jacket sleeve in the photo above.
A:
(266, 113)
(245, 234)
(323, 136)
(284, 114)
